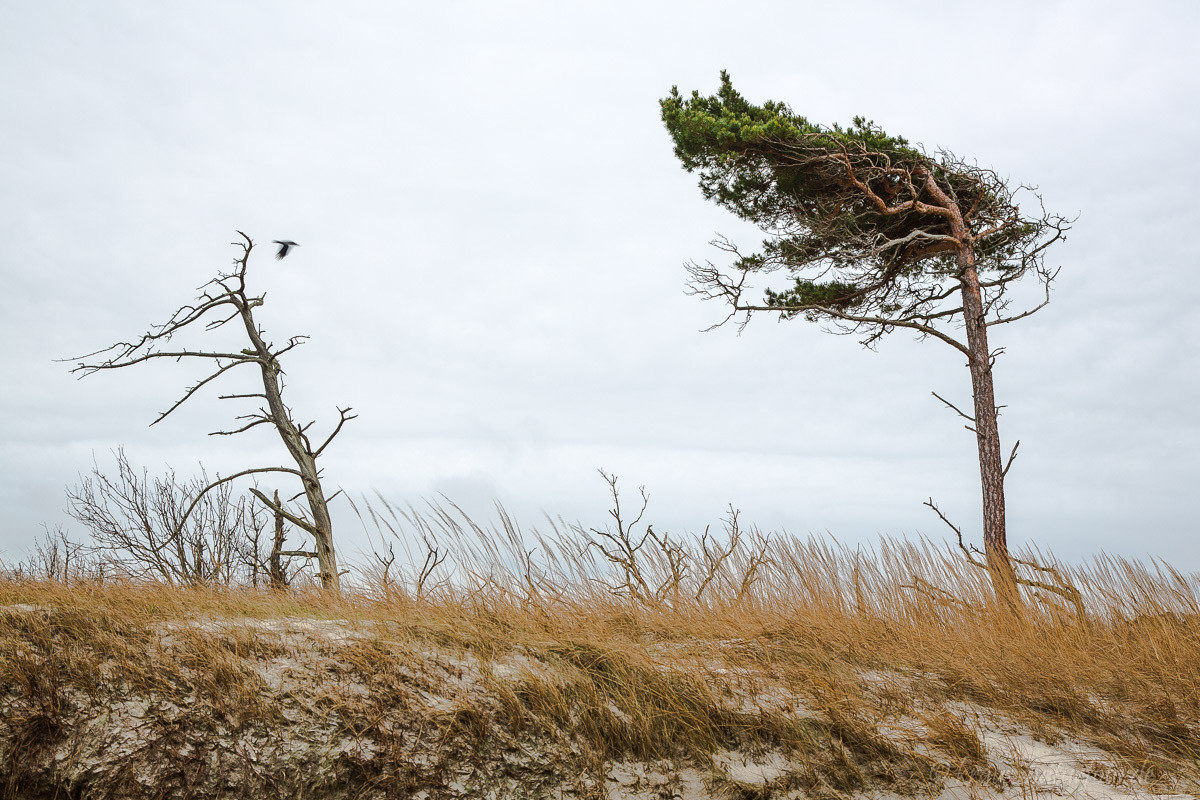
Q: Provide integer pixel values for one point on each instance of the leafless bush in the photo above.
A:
(55, 557)
(658, 568)
(630, 562)
(390, 524)
(58, 558)
(143, 525)
(443, 550)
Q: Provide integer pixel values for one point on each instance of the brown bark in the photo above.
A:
(987, 430)
(987, 435)
(275, 566)
(306, 461)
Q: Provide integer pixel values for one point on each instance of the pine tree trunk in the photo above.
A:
(987, 436)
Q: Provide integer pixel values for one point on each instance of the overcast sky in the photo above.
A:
(493, 228)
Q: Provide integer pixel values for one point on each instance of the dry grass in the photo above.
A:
(864, 669)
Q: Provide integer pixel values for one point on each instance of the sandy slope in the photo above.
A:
(327, 708)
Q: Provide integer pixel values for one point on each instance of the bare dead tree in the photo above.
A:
(254, 551)
(654, 567)
(751, 562)
(249, 552)
(267, 559)
(713, 556)
(222, 300)
(674, 560)
(730, 563)
(434, 556)
(384, 563)
(618, 547)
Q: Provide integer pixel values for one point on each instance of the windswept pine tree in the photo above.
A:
(872, 234)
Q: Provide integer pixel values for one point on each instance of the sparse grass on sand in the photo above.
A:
(800, 668)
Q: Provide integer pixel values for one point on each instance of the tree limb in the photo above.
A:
(1011, 457)
(258, 420)
(954, 408)
(344, 415)
(220, 481)
(281, 511)
(195, 388)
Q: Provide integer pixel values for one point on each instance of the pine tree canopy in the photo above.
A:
(865, 223)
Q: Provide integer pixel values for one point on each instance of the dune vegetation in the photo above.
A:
(606, 662)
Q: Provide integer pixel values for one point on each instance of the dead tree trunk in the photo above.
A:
(275, 569)
(300, 449)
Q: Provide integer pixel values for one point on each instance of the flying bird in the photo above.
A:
(284, 246)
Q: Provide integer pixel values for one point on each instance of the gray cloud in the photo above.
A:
(493, 227)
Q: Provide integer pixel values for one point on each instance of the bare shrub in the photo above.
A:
(626, 559)
(57, 557)
(143, 526)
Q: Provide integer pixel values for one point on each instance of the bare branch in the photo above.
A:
(257, 420)
(88, 369)
(935, 593)
(1048, 278)
(283, 512)
(433, 559)
(218, 323)
(196, 387)
(344, 415)
(1061, 587)
(954, 408)
(886, 323)
(234, 476)
(883, 244)
(1011, 457)
(968, 552)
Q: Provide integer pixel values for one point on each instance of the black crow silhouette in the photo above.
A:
(284, 246)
